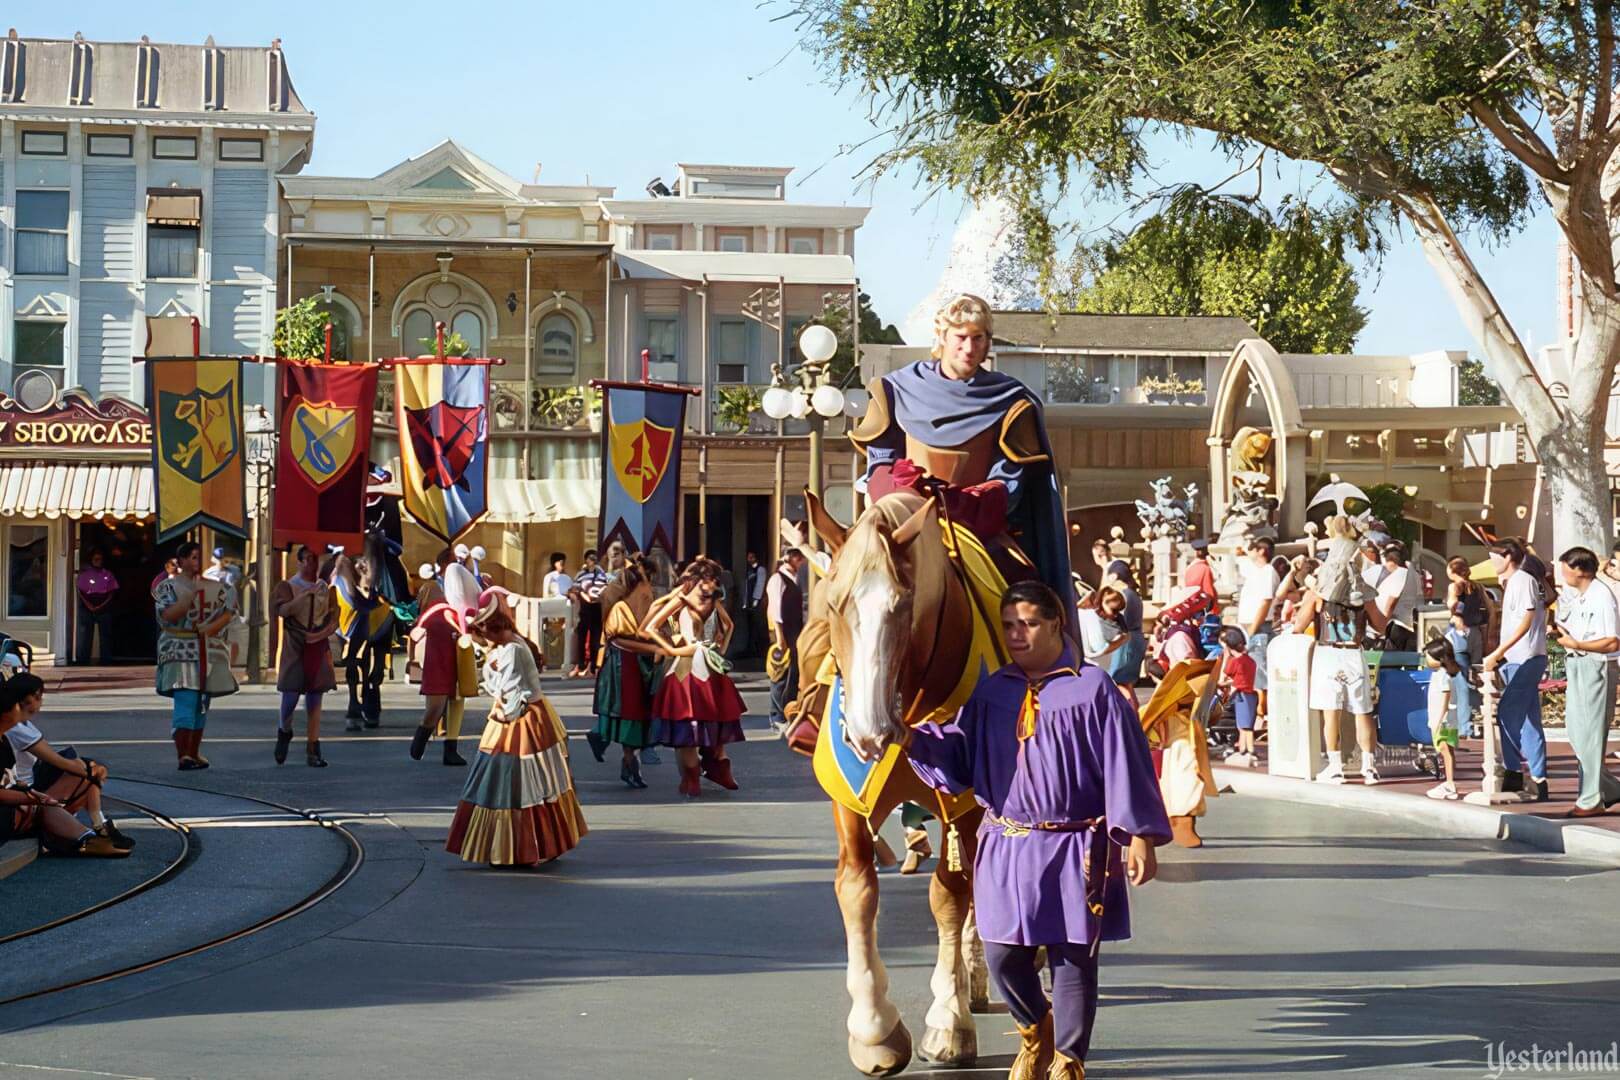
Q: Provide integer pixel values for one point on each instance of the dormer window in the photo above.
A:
(84, 70)
(277, 80)
(147, 63)
(13, 70)
(213, 77)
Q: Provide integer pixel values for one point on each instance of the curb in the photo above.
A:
(1459, 818)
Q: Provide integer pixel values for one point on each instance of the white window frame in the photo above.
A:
(65, 231)
(541, 367)
(158, 142)
(721, 238)
(662, 238)
(46, 528)
(674, 321)
(720, 362)
(813, 243)
(30, 135)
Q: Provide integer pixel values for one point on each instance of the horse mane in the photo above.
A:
(867, 547)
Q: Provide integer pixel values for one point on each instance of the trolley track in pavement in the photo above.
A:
(192, 852)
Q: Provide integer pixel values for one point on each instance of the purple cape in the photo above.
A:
(1087, 759)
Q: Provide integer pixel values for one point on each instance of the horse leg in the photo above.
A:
(973, 957)
(951, 1037)
(879, 1044)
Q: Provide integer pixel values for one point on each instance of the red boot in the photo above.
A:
(691, 785)
(719, 771)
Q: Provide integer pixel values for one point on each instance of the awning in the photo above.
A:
(536, 502)
(38, 489)
(174, 206)
(763, 267)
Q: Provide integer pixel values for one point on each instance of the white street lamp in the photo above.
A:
(777, 402)
(818, 343)
(827, 400)
(801, 405)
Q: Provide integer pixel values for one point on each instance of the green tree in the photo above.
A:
(843, 369)
(1286, 275)
(301, 330)
(1453, 118)
(1474, 387)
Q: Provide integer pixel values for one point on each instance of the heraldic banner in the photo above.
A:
(321, 467)
(197, 445)
(641, 464)
(443, 444)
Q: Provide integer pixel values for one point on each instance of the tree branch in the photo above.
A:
(1520, 139)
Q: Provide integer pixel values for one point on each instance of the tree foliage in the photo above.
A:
(874, 331)
(1288, 278)
(301, 330)
(1453, 116)
(1474, 387)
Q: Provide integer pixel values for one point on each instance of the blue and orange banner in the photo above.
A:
(198, 464)
(322, 463)
(641, 464)
(443, 443)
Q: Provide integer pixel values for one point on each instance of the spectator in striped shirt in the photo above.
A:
(587, 596)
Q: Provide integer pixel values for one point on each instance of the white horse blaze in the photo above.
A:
(869, 689)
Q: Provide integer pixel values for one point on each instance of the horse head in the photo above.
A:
(873, 612)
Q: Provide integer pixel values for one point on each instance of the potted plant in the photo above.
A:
(735, 407)
(558, 406)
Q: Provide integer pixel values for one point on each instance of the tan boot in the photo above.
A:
(1065, 1067)
(1035, 1055)
(917, 849)
(1184, 832)
(883, 854)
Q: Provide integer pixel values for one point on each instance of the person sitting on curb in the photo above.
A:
(28, 812)
(71, 781)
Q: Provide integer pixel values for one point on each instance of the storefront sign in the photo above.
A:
(74, 421)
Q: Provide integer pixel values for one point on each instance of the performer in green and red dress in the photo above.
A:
(697, 705)
(627, 673)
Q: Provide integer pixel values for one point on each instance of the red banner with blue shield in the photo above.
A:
(325, 446)
(641, 463)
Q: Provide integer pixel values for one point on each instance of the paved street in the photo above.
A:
(702, 940)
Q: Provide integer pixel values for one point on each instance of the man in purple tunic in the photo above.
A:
(1054, 753)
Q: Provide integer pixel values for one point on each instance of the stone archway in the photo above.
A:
(1256, 368)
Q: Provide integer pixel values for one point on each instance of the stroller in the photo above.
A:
(15, 655)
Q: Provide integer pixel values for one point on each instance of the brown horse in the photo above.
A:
(897, 618)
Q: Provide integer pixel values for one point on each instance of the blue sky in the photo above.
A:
(619, 92)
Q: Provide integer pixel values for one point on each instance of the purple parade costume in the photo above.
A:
(1086, 762)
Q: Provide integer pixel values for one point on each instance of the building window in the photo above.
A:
(241, 150)
(171, 251)
(1171, 379)
(42, 232)
(661, 337)
(1079, 380)
(41, 346)
(416, 333)
(804, 244)
(44, 143)
(731, 351)
(147, 63)
(13, 70)
(109, 146)
(732, 240)
(471, 329)
(557, 338)
(84, 70)
(790, 343)
(175, 147)
(663, 239)
(27, 572)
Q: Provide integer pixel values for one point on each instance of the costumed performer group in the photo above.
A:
(308, 617)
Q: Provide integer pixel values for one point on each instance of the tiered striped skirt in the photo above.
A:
(518, 808)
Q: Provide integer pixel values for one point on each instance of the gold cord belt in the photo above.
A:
(1012, 828)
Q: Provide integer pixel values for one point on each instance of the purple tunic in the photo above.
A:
(1087, 759)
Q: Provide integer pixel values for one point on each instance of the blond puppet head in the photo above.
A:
(966, 310)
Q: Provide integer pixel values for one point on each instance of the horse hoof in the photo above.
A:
(887, 1057)
(949, 1046)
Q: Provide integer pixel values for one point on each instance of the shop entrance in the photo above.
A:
(131, 553)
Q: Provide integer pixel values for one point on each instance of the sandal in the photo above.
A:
(188, 763)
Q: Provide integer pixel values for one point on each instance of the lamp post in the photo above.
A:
(814, 397)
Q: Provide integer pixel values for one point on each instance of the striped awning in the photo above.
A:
(52, 490)
(536, 502)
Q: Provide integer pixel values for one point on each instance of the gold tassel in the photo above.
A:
(1029, 714)
(953, 849)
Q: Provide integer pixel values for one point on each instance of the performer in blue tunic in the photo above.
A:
(978, 431)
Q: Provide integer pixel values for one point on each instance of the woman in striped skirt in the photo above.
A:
(518, 807)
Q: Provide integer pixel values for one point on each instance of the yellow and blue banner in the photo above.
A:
(443, 443)
(198, 469)
(641, 464)
(321, 466)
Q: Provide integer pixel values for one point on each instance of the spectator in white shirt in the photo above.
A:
(1394, 609)
(1522, 656)
(1589, 631)
(1255, 599)
(1373, 572)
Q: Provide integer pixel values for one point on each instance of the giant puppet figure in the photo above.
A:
(903, 624)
